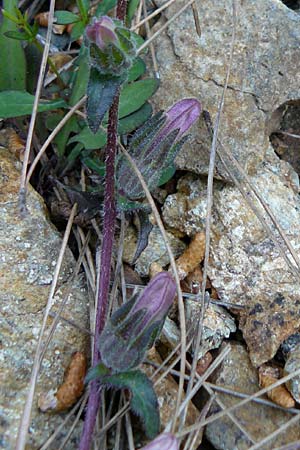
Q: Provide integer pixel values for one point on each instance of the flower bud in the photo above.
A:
(133, 328)
(102, 32)
(155, 145)
(165, 441)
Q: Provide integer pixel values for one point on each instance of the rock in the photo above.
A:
(291, 365)
(237, 373)
(154, 252)
(265, 73)
(246, 267)
(29, 249)
(186, 209)
(217, 325)
(166, 391)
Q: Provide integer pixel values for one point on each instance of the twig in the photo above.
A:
(23, 186)
(150, 16)
(25, 419)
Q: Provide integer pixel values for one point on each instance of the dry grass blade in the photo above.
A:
(292, 446)
(275, 433)
(193, 437)
(151, 16)
(25, 419)
(22, 194)
(52, 136)
(49, 441)
(72, 428)
(164, 26)
(210, 181)
(242, 403)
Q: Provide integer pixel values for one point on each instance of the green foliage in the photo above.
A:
(143, 398)
(105, 6)
(131, 8)
(65, 17)
(20, 103)
(12, 58)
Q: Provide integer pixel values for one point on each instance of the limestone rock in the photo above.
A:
(265, 73)
(29, 249)
(246, 267)
(291, 365)
(154, 252)
(166, 391)
(217, 325)
(237, 373)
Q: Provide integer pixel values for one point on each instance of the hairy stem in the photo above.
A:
(109, 223)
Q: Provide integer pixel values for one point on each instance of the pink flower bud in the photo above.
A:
(102, 32)
(165, 441)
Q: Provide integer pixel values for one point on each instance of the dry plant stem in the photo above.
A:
(52, 136)
(175, 274)
(291, 446)
(275, 433)
(164, 26)
(262, 401)
(152, 50)
(25, 419)
(23, 186)
(49, 441)
(191, 440)
(242, 403)
(210, 181)
(150, 16)
(72, 428)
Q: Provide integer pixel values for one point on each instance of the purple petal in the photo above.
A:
(165, 441)
(182, 116)
(156, 298)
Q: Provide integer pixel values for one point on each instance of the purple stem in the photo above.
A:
(109, 223)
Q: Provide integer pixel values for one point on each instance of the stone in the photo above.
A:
(291, 365)
(265, 73)
(237, 373)
(29, 250)
(154, 252)
(217, 325)
(246, 267)
(166, 391)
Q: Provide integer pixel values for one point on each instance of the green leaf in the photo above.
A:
(135, 120)
(20, 103)
(105, 6)
(134, 95)
(166, 174)
(77, 31)
(19, 36)
(97, 166)
(143, 401)
(62, 137)
(83, 6)
(79, 84)
(75, 152)
(137, 69)
(131, 8)
(13, 63)
(90, 140)
(65, 17)
(100, 94)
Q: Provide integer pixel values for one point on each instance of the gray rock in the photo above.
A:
(246, 267)
(291, 365)
(237, 373)
(265, 73)
(29, 249)
(217, 325)
(154, 252)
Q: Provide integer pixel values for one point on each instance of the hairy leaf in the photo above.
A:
(105, 6)
(20, 103)
(65, 17)
(100, 92)
(134, 95)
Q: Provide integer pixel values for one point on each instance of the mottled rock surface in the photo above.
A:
(154, 252)
(237, 373)
(29, 249)
(265, 73)
(245, 265)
